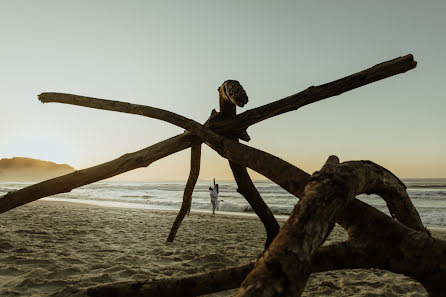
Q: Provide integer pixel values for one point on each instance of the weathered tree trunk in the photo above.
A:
(195, 157)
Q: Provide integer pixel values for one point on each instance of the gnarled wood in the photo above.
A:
(195, 157)
(285, 266)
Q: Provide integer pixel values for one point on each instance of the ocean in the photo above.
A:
(428, 196)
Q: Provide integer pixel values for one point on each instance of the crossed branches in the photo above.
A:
(290, 254)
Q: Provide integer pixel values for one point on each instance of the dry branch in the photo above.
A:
(195, 156)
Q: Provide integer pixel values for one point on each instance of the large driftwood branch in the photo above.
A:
(195, 157)
(68, 182)
(375, 240)
(285, 266)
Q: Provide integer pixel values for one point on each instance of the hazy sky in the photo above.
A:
(174, 55)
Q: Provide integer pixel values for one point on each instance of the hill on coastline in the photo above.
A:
(27, 169)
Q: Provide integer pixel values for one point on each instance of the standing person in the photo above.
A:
(214, 197)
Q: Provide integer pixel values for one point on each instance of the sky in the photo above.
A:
(174, 55)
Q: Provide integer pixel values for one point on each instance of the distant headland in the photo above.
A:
(27, 169)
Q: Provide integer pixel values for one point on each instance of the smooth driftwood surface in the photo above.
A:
(371, 235)
(162, 149)
(195, 157)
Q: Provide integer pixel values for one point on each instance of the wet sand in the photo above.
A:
(59, 248)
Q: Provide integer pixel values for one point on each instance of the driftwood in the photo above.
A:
(375, 241)
(327, 196)
(193, 285)
(230, 93)
(145, 157)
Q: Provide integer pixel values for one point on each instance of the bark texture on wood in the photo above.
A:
(285, 266)
(193, 285)
(195, 157)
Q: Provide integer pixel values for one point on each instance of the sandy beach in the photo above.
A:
(59, 248)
